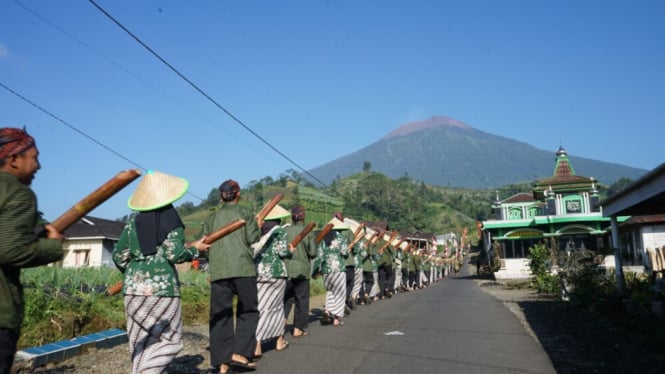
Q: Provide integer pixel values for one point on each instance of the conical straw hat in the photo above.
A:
(157, 190)
(277, 213)
(369, 233)
(338, 225)
(353, 224)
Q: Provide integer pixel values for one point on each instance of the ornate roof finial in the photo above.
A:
(549, 192)
(594, 189)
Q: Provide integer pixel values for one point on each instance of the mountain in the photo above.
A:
(446, 152)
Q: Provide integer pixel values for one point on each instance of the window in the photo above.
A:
(81, 257)
(515, 213)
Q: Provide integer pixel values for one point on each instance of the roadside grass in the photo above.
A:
(63, 303)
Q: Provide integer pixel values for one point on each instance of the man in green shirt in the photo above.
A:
(19, 247)
(232, 272)
(298, 269)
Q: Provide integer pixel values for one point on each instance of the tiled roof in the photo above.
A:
(521, 197)
(416, 235)
(377, 225)
(563, 169)
(95, 227)
(640, 220)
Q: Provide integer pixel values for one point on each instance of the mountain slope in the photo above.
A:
(446, 152)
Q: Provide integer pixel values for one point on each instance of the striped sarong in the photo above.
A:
(398, 277)
(335, 284)
(271, 307)
(375, 286)
(154, 330)
(357, 282)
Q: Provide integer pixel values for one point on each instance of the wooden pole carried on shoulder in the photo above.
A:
(267, 208)
(392, 237)
(294, 243)
(93, 200)
(209, 239)
(357, 235)
(324, 231)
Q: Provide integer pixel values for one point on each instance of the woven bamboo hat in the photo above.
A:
(339, 225)
(353, 224)
(157, 190)
(278, 212)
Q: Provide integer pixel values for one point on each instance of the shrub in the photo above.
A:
(587, 281)
(540, 263)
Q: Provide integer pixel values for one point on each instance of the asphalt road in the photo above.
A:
(449, 327)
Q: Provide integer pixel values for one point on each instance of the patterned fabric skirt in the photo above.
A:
(357, 282)
(398, 277)
(375, 286)
(271, 307)
(154, 330)
(335, 284)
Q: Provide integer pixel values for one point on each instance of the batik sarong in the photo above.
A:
(357, 282)
(335, 284)
(154, 330)
(271, 307)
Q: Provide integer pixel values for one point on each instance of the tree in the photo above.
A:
(367, 166)
(618, 186)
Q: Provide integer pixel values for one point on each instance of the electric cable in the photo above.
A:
(89, 137)
(138, 78)
(199, 90)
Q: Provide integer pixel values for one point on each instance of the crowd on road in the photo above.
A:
(260, 266)
(259, 272)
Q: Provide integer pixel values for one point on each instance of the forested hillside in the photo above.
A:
(406, 205)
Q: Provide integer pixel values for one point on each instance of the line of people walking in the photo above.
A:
(258, 272)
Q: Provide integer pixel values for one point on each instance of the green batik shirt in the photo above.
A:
(410, 262)
(333, 256)
(269, 258)
(397, 258)
(153, 275)
(360, 253)
(369, 262)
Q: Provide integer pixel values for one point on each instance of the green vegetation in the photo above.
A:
(64, 303)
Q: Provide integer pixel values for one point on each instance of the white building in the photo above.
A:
(90, 242)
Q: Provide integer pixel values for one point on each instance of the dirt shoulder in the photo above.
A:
(582, 339)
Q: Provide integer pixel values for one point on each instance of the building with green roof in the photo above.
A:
(564, 207)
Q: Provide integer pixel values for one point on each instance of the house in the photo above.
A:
(90, 242)
(639, 234)
(644, 201)
(563, 210)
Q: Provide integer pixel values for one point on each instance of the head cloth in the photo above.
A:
(14, 141)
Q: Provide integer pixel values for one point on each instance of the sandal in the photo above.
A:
(302, 333)
(326, 318)
(285, 346)
(338, 322)
(242, 365)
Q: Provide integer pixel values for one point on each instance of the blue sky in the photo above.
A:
(318, 80)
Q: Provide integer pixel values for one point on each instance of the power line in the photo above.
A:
(199, 90)
(89, 137)
(138, 78)
(71, 126)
